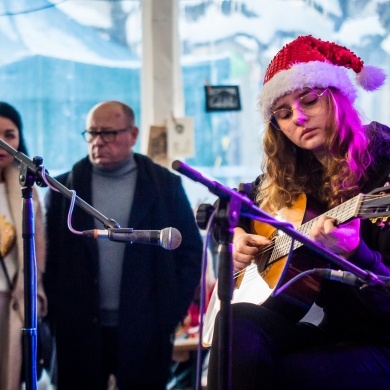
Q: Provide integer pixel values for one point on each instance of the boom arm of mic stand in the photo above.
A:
(249, 209)
(107, 222)
(37, 171)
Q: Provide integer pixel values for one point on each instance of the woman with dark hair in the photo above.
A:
(318, 158)
(11, 252)
(9, 112)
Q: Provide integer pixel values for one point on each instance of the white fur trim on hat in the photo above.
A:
(305, 74)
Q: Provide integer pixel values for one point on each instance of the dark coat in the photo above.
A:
(157, 285)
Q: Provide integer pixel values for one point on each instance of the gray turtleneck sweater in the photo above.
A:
(112, 195)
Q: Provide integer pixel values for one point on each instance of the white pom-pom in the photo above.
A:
(371, 78)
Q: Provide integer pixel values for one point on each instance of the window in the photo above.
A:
(60, 57)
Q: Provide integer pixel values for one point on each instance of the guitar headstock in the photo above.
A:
(376, 206)
(380, 190)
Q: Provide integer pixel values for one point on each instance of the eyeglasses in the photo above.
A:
(309, 104)
(106, 135)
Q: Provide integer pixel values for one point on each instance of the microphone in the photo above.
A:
(339, 276)
(168, 238)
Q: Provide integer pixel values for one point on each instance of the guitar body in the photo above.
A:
(295, 301)
(259, 280)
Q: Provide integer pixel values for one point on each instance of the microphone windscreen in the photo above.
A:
(170, 238)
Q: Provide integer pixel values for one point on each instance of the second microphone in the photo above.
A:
(168, 238)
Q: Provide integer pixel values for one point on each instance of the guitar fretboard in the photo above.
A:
(342, 213)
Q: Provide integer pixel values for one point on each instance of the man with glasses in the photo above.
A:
(115, 306)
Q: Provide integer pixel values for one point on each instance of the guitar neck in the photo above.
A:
(342, 213)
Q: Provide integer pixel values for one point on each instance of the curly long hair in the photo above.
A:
(290, 170)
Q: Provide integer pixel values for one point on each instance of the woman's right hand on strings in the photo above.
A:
(246, 247)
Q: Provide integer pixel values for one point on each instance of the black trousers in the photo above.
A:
(270, 352)
(109, 352)
(110, 362)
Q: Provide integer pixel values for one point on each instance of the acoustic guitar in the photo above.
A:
(273, 267)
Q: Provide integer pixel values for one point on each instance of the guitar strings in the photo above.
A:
(341, 212)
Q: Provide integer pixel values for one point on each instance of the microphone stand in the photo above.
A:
(30, 172)
(234, 204)
(227, 217)
(29, 331)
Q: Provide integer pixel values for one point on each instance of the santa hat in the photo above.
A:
(310, 62)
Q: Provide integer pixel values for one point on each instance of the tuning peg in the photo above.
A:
(381, 222)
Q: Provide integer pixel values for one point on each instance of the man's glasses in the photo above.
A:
(106, 135)
(309, 104)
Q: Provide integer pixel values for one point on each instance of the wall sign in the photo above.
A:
(222, 98)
